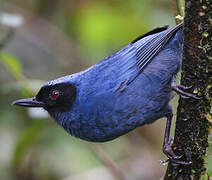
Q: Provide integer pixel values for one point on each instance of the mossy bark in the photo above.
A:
(194, 116)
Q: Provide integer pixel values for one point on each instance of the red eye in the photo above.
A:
(54, 94)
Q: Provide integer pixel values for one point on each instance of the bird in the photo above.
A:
(128, 89)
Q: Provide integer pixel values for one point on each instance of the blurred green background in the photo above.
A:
(41, 40)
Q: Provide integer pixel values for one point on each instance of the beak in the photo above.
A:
(29, 102)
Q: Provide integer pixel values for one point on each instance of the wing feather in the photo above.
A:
(135, 57)
(150, 46)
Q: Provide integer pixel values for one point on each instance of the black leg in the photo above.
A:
(180, 89)
(167, 149)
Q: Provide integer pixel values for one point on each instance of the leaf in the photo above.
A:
(26, 141)
(11, 63)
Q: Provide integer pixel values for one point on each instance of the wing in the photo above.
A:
(142, 50)
(152, 46)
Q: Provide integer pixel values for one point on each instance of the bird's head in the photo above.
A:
(52, 97)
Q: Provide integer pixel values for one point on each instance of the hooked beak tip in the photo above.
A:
(29, 102)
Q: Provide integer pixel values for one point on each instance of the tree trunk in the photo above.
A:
(194, 116)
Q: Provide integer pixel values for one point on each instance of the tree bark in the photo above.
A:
(194, 116)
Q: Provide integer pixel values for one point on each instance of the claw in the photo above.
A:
(167, 149)
(178, 88)
(184, 97)
(172, 141)
(174, 159)
(183, 87)
(178, 162)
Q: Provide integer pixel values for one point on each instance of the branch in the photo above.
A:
(177, 10)
(193, 116)
(174, 5)
(108, 162)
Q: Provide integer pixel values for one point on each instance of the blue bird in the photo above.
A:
(126, 90)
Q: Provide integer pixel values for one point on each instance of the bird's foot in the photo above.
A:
(174, 159)
(180, 89)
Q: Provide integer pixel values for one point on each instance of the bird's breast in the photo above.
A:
(105, 115)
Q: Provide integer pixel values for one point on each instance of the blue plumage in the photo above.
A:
(116, 96)
(128, 89)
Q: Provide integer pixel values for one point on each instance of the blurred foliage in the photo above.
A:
(35, 147)
(11, 64)
(26, 140)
